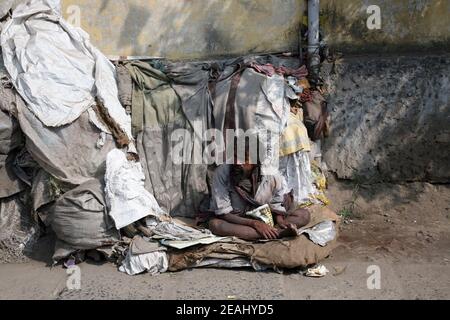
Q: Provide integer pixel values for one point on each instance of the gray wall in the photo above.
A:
(390, 118)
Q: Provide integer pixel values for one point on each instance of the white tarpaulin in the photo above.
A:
(5, 5)
(153, 262)
(171, 230)
(296, 169)
(55, 68)
(127, 199)
(321, 233)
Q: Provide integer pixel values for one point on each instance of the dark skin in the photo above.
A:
(250, 229)
(233, 224)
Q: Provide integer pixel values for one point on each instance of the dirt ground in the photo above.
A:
(404, 230)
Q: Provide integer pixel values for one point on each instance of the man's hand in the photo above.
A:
(265, 230)
(281, 221)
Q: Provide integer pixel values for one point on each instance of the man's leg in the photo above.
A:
(299, 217)
(224, 228)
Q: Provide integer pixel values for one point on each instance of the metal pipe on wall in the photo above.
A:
(313, 38)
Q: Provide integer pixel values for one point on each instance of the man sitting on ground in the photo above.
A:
(239, 188)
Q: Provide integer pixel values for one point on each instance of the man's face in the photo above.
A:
(246, 168)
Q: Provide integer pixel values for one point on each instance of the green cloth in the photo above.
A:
(156, 113)
(154, 103)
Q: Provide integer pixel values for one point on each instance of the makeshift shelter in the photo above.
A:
(100, 176)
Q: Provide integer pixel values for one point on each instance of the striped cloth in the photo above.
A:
(294, 137)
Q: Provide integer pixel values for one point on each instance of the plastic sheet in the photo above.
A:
(154, 262)
(321, 233)
(39, 44)
(127, 199)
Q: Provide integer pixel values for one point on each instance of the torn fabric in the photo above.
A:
(224, 263)
(183, 244)
(154, 263)
(170, 230)
(70, 154)
(157, 117)
(296, 169)
(127, 199)
(256, 105)
(39, 44)
(294, 137)
(139, 245)
(178, 235)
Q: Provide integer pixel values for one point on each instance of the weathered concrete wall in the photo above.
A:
(405, 25)
(189, 28)
(390, 113)
(196, 29)
(390, 118)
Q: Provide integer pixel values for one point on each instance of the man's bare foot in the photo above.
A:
(290, 231)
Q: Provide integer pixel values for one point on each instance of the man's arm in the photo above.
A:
(281, 201)
(234, 218)
(223, 209)
(220, 191)
(263, 229)
(279, 196)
